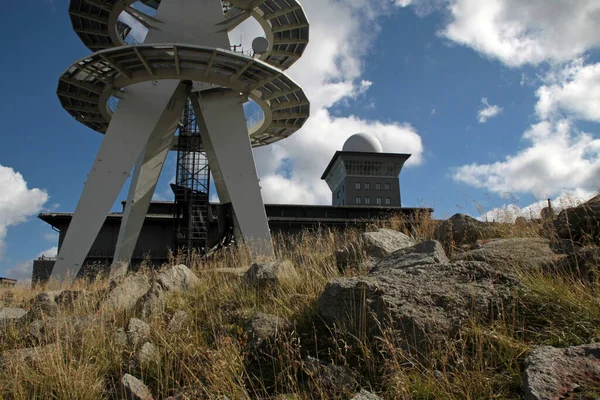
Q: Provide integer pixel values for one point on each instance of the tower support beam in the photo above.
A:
(132, 124)
(145, 176)
(224, 134)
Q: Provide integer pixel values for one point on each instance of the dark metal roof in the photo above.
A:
(359, 153)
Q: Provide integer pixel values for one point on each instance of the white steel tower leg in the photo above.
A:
(134, 120)
(145, 177)
(229, 152)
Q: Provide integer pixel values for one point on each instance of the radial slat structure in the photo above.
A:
(86, 87)
(284, 22)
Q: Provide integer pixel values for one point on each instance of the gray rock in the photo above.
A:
(9, 316)
(424, 301)
(364, 395)
(124, 293)
(137, 332)
(44, 304)
(263, 328)
(69, 298)
(178, 278)
(508, 254)
(461, 229)
(134, 389)
(270, 273)
(196, 393)
(49, 330)
(553, 374)
(580, 224)
(430, 252)
(152, 303)
(179, 320)
(118, 270)
(30, 355)
(583, 264)
(148, 355)
(120, 338)
(384, 242)
(328, 376)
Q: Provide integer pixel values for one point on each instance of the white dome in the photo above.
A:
(364, 143)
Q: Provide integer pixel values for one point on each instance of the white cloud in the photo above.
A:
(330, 73)
(488, 111)
(558, 158)
(510, 212)
(518, 32)
(22, 271)
(521, 32)
(574, 91)
(17, 202)
(51, 236)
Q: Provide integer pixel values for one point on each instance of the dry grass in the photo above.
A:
(210, 356)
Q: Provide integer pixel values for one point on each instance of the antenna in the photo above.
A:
(195, 85)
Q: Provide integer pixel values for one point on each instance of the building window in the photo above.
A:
(357, 185)
(358, 200)
(379, 201)
(387, 186)
(367, 186)
(367, 200)
(378, 186)
(388, 201)
(338, 194)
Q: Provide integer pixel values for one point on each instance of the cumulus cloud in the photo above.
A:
(510, 212)
(330, 73)
(488, 111)
(573, 91)
(518, 32)
(17, 202)
(559, 157)
(22, 271)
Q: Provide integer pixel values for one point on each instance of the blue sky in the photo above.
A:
(498, 101)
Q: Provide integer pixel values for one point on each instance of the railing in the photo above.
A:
(255, 119)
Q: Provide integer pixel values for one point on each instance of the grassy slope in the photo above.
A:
(483, 362)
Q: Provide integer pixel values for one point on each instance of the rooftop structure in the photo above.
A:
(7, 282)
(363, 175)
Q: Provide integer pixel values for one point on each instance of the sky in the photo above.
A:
(498, 102)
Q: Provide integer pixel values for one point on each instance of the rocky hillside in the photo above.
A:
(451, 310)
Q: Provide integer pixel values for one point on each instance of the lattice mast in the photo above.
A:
(191, 188)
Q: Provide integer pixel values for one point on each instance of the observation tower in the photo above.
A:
(183, 89)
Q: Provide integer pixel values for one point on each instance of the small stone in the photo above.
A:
(269, 273)
(68, 298)
(134, 389)
(384, 242)
(10, 316)
(137, 332)
(120, 338)
(44, 305)
(124, 294)
(178, 278)
(152, 303)
(364, 395)
(328, 375)
(118, 270)
(262, 328)
(148, 354)
(425, 253)
(178, 321)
